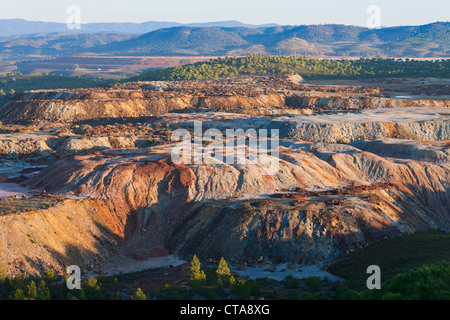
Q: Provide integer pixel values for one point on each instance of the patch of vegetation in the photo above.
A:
(16, 82)
(197, 275)
(428, 282)
(393, 256)
(138, 295)
(20, 204)
(413, 267)
(308, 68)
(224, 277)
(49, 287)
(314, 283)
(292, 283)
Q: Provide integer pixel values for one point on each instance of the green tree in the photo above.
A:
(292, 283)
(49, 277)
(43, 292)
(293, 294)
(314, 283)
(242, 289)
(32, 291)
(307, 296)
(224, 276)
(18, 295)
(92, 289)
(138, 295)
(175, 295)
(196, 274)
(222, 269)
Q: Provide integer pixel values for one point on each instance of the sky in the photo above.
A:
(284, 12)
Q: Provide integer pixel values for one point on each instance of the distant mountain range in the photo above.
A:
(327, 40)
(426, 41)
(11, 27)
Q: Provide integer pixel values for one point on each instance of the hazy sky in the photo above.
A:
(293, 12)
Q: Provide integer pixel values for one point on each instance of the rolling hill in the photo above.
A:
(234, 39)
(327, 40)
(9, 27)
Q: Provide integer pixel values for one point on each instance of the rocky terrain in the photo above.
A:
(356, 165)
(261, 95)
(358, 197)
(427, 124)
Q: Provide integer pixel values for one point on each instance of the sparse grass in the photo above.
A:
(15, 204)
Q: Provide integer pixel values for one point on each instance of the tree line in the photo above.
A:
(307, 67)
(17, 82)
(428, 282)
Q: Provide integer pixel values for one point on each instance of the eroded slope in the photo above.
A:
(324, 200)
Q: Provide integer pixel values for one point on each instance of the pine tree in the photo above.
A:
(32, 291)
(92, 289)
(223, 269)
(196, 273)
(224, 276)
(43, 292)
(138, 295)
(18, 295)
(49, 277)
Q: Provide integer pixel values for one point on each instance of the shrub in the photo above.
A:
(211, 276)
(43, 292)
(175, 295)
(242, 289)
(255, 290)
(211, 294)
(18, 295)
(92, 289)
(307, 296)
(345, 293)
(49, 277)
(293, 294)
(292, 283)
(272, 294)
(314, 283)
